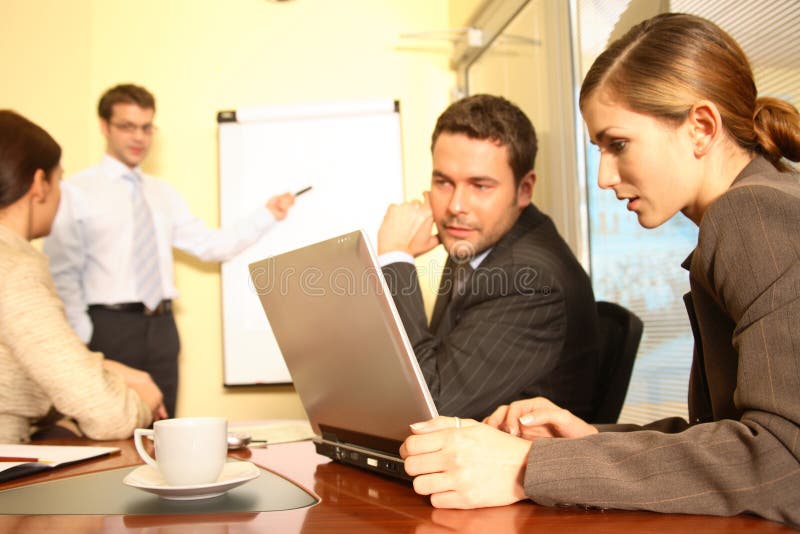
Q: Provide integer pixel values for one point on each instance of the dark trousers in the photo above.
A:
(146, 342)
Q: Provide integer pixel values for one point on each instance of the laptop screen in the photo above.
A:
(342, 340)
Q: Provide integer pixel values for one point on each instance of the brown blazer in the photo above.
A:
(741, 451)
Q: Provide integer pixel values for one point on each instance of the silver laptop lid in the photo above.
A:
(341, 338)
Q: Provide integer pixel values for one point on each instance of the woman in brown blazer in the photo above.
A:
(673, 108)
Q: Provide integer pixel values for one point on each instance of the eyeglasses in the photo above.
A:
(129, 127)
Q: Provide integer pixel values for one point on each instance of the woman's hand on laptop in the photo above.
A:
(538, 418)
(465, 464)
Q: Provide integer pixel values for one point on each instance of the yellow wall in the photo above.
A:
(200, 56)
(44, 60)
(461, 11)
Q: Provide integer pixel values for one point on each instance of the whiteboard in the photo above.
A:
(349, 152)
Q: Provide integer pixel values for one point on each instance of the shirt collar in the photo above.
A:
(477, 260)
(111, 166)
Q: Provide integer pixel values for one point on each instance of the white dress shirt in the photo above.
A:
(90, 245)
(396, 256)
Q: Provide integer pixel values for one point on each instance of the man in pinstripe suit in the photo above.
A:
(515, 312)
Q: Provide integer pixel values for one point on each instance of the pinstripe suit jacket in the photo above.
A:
(741, 451)
(524, 326)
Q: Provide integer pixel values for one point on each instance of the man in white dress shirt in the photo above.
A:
(95, 256)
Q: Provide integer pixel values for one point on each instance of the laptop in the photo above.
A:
(347, 352)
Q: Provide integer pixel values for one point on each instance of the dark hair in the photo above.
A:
(125, 94)
(665, 64)
(24, 149)
(496, 119)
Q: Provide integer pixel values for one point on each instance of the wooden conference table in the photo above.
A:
(351, 500)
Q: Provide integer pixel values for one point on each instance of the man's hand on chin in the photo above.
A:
(407, 228)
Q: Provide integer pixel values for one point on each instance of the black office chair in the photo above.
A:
(619, 332)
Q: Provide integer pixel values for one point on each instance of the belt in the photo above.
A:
(164, 307)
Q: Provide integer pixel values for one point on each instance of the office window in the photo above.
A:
(528, 59)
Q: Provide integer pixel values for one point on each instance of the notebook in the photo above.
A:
(17, 460)
(347, 352)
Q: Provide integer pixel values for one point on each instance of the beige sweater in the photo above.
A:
(43, 364)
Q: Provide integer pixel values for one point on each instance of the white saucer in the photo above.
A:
(149, 479)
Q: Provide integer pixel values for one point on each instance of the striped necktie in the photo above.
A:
(144, 250)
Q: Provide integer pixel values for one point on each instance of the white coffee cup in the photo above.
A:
(189, 450)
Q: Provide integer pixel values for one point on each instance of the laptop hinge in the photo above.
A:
(359, 439)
